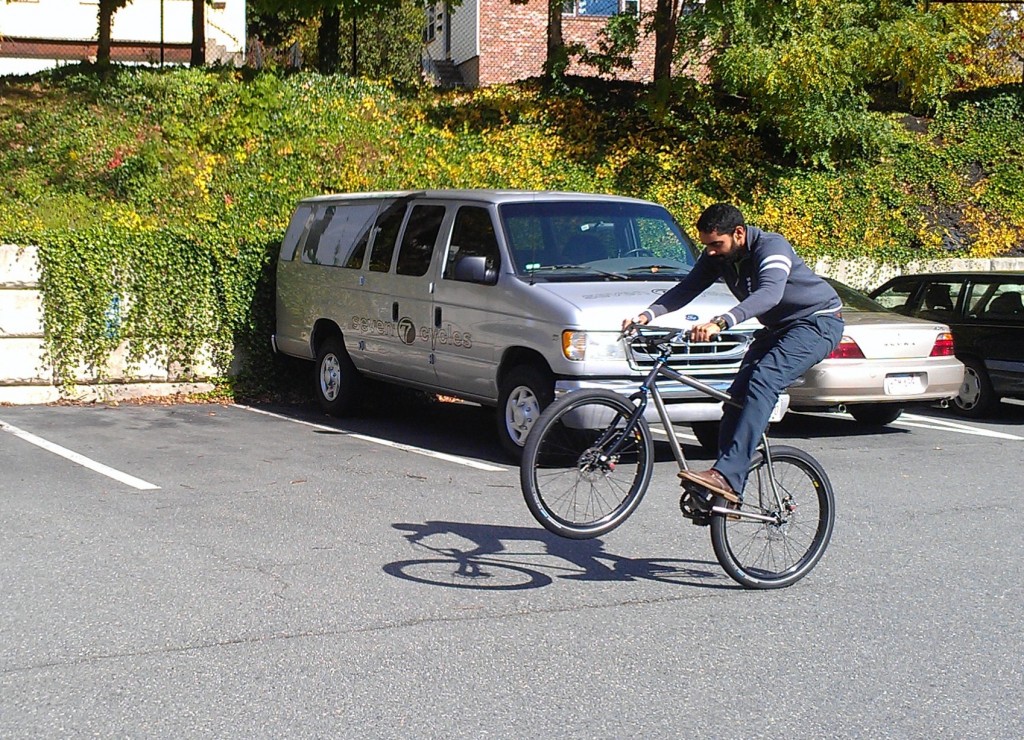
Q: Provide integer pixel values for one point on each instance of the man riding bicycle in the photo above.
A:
(802, 319)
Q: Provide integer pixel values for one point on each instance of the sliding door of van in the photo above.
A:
(468, 306)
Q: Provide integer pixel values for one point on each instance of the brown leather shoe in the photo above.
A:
(711, 480)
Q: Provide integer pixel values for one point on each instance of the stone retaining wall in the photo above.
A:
(25, 375)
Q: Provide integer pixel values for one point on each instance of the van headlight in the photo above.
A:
(591, 345)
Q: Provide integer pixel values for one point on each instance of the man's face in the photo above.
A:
(727, 247)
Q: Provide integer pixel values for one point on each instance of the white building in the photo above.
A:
(40, 34)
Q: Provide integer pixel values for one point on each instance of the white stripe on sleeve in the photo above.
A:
(777, 262)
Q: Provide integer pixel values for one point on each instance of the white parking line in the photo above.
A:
(386, 442)
(82, 460)
(928, 422)
(660, 431)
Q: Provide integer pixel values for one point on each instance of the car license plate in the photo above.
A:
(904, 384)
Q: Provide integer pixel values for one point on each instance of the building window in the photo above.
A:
(428, 31)
(600, 7)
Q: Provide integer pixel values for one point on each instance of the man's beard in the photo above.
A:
(735, 255)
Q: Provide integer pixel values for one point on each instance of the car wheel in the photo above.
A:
(524, 393)
(976, 398)
(337, 380)
(706, 433)
(876, 414)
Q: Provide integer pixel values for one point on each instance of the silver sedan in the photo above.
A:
(884, 362)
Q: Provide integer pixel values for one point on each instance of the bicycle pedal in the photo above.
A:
(695, 507)
(698, 498)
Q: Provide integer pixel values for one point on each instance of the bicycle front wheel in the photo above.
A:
(760, 554)
(585, 466)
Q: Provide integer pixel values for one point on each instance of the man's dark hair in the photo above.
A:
(721, 218)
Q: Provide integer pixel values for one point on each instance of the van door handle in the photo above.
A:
(437, 316)
(394, 311)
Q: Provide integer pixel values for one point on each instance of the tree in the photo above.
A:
(107, 8)
(197, 58)
(666, 17)
(810, 74)
(355, 11)
(557, 59)
(331, 13)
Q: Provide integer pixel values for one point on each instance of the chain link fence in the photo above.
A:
(67, 51)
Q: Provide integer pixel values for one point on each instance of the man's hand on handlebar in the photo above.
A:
(705, 332)
(629, 324)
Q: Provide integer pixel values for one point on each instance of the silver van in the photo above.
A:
(505, 298)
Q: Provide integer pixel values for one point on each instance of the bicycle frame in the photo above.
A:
(649, 387)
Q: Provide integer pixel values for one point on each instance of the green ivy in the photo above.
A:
(158, 198)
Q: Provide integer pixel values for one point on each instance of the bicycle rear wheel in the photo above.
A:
(585, 468)
(777, 554)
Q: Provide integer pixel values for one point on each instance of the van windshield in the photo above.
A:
(595, 239)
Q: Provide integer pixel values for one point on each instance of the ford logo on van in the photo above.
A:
(691, 317)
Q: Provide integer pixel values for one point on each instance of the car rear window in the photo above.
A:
(854, 300)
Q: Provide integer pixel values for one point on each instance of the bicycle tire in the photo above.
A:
(570, 490)
(762, 555)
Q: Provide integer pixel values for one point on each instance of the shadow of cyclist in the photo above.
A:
(472, 547)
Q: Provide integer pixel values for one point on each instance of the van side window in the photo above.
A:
(385, 235)
(321, 222)
(472, 236)
(296, 228)
(419, 239)
(341, 232)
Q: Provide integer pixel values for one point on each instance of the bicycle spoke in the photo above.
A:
(581, 478)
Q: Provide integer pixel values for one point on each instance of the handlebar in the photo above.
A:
(648, 331)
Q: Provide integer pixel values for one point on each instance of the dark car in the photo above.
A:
(985, 312)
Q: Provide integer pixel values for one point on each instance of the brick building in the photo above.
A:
(487, 42)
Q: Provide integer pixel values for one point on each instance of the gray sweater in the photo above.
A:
(770, 281)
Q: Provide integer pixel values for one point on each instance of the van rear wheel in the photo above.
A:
(524, 393)
(337, 380)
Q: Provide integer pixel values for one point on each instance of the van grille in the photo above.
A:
(700, 359)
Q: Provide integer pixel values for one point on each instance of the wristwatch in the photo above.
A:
(720, 322)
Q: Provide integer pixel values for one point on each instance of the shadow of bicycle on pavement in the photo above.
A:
(486, 557)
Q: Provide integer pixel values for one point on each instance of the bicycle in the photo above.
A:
(589, 459)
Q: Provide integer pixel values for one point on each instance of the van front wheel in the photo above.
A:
(337, 380)
(524, 393)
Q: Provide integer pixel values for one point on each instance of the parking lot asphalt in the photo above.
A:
(233, 571)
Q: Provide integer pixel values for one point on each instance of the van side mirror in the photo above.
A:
(473, 269)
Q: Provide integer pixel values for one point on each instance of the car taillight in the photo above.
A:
(847, 350)
(943, 346)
